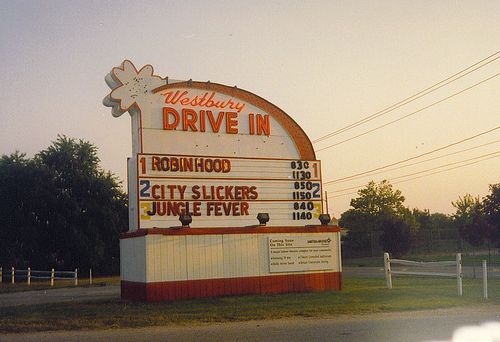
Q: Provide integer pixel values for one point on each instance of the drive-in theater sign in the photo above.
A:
(224, 193)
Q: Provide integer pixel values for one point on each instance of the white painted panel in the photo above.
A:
(133, 259)
(255, 261)
(171, 258)
(230, 256)
(190, 259)
(203, 253)
(179, 260)
(150, 257)
(231, 145)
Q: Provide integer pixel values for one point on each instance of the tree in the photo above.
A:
(466, 207)
(378, 199)
(479, 221)
(491, 209)
(375, 206)
(396, 237)
(466, 218)
(60, 209)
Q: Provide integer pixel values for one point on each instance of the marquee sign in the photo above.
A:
(220, 188)
(220, 153)
(223, 155)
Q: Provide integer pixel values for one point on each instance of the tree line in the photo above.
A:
(379, 208)
(60, 209)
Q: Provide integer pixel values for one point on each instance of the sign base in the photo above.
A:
(186, 263)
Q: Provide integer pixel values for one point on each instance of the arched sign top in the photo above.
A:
(302, 142)
(165, 110)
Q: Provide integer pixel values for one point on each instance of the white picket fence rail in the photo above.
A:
(457, 263)
(30, 274)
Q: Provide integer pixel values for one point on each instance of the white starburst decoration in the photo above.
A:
(130, 87)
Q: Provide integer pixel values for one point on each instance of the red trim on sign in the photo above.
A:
(290, 180)
(234, 230)
(226, 157)
(187, 289)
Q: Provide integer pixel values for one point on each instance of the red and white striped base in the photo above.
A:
(188, 289)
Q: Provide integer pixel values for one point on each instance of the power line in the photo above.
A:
(449, 164)
(488, 156)
(408, 115)
(412, 158)
(412, 98)
(431, 169)
(449, 169)
(427, 160)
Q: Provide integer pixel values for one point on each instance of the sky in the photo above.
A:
(327, 64)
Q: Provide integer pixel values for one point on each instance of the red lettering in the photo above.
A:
(253, 192)
(182, 189)
(226, 206)
(236, 207)
(237, 192)
(202, 121)
(155, 163)
(244, 208)
(161, 208)
(232, 123)
(195, 192)
(251, 128)
(213, 123)
(244, 192)
(218, 192)
(217, 209)
(153, 191)
(196, 209)
(263, 125)
(171, 188)
(189, 118)
(167, 111)
(229, 192)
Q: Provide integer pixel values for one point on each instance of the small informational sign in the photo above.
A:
(227, 191)
(300, 253)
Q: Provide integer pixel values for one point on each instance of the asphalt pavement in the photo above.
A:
(435, 325)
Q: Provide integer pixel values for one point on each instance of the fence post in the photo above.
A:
(459, 273)
(29, 276)
(52, 278)
(13, 277)
(387, 267)
(76, 276)
(90, 277)
(485, 280)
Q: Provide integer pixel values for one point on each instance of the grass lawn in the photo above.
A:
(359, 296)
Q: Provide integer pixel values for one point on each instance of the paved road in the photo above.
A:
(68, 294)
(409, 326)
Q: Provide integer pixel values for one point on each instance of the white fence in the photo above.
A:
(457, 263)
(30, 274)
